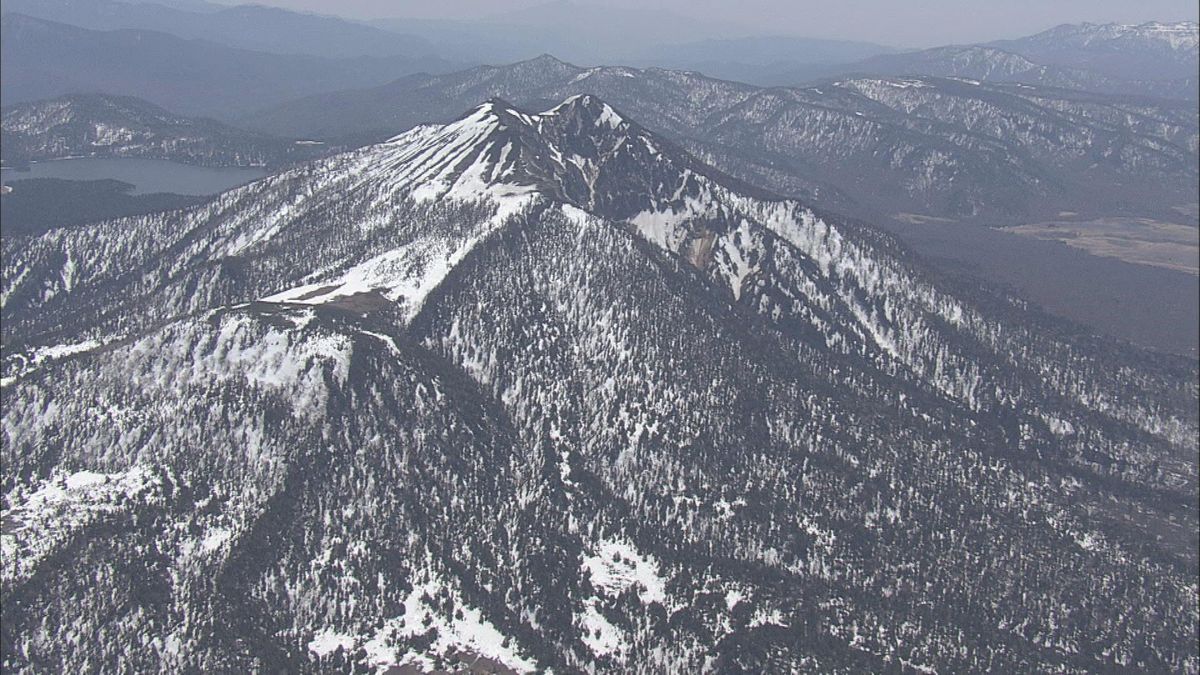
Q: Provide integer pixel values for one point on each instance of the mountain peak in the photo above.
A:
(581, 154)
(546, 57)
(545, 61)
(588, 109)
(493, 106)
(566, 153)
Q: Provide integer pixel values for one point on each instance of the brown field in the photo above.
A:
(1135, 240)
(1155, 306)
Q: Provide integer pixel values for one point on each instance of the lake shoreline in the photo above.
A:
(148, 176)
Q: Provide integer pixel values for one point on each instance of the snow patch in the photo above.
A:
(467, 630)
(733, 598)
(328, 641)
(617, 566)
(45, 518)
(40, 356)
(599, 635)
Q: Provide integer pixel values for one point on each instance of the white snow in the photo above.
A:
(85, 479)
(1090, 541)
(609, 117)
(666, 228)
(41, 520)
(467, 630)
(767, 617)
(564, 468)
(327, 641)
(408, 274)
(215, 539)
(241, 347)
(733, 598)
(40, 356)
(277, 359)
(584, 75)
(599, 635)
(735, 263)
(1179, 36)
(617, 565)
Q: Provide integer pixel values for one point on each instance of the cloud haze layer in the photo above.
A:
(926, 23)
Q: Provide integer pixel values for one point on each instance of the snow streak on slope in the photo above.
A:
(484, 157)
(458, 162)
(37, 523)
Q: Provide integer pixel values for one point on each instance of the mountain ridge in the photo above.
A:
(125, 126)
(946, 148)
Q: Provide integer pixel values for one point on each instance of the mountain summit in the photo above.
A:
(529, 392)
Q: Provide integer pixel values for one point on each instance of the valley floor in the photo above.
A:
(1141, 241)
(1132, 280)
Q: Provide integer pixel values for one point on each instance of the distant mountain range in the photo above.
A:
(534, 391)
(99, 125)
(253, 27)
(873, 147)
(44, 59)
(995, 138)
(1151, 59)
(1142, 52)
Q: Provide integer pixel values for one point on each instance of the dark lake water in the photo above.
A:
(146, 175)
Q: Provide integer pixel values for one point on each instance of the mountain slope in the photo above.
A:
(1151, 59)
(123, 126)
(534, 391)
(982, 63)
(42, 59)
(754, 56)
(991, 64)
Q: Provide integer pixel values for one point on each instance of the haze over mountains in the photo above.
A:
(1152, 58)
(45, 59)
(254, 27)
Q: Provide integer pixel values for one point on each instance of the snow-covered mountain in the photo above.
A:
(989, 64)
(524, 392)
(1148, 51)
(1162, 59)
(90, 125)
(1151, 59)
(1180, 36)
(873, 147)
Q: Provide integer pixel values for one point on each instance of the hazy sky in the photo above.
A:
(893, 22)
